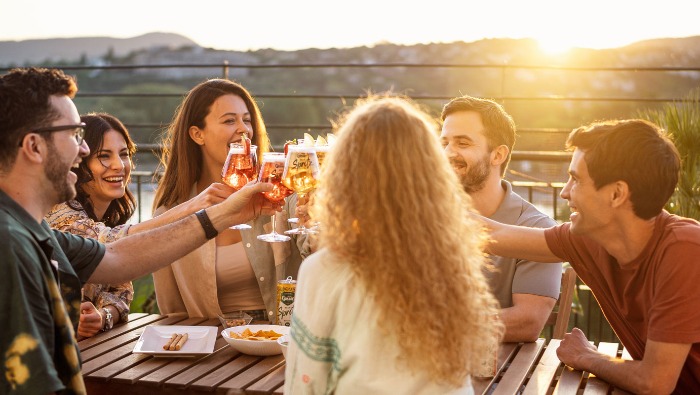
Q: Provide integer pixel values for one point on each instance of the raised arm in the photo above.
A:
(518, 242)
(134, 256)
(213, 194)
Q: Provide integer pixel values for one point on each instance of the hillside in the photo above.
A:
(57, 50)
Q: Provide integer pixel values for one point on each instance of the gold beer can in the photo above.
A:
(285, 300)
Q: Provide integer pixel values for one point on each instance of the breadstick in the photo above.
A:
(172, 345)
(181, 342)
(167, 345)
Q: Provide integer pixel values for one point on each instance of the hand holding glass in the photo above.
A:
(239, 169)
(271, 171)
(301, 174)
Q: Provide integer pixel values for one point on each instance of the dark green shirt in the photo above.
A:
(42, 273)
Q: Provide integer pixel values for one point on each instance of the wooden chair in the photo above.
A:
(559, 318)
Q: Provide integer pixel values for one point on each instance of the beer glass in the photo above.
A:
(271, 171)
(239, 169)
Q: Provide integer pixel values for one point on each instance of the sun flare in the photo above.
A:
(554, 45)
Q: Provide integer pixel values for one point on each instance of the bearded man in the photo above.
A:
(478, 136)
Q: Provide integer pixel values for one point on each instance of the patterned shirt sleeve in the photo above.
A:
(64, 217)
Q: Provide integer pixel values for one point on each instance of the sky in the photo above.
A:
(290, 25)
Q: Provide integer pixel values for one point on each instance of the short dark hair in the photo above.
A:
(25, 105)
(635, 151)
(120, 210)
(498, 124)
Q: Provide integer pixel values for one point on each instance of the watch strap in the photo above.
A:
(108, 320)
(209, 230)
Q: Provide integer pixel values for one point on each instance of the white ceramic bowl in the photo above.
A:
(255, 347)
(284, 344)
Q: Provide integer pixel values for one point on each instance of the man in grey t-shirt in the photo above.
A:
(478, 136)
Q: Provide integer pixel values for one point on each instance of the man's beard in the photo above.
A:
(56, 172)
(475, 177)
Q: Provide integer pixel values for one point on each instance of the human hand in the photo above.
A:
(90, 320)
(213, 194)
(574, 348)
(249, 203)
(301, 211)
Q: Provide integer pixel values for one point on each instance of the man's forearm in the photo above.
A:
(145, 252)
(656, 373)
(625, 374)
(134, 256)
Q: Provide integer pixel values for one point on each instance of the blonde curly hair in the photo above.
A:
(392, 207)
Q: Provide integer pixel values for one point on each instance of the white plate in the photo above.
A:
(200, 340)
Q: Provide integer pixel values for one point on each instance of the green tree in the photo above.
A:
(682, 123)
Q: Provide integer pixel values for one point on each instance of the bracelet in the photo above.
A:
(209, 230)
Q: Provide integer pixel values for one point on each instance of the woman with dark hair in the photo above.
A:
(234, 271)
(102, 209)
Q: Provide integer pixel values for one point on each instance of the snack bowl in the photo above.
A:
(284, 343)
(255, 347)
(236, 318)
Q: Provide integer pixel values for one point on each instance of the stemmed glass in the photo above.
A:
(301, 174)
(271, 171)
(239, 169)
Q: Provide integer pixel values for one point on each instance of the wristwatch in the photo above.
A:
(108, 320)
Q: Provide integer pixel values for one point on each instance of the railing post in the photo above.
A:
(138, 196)
(225, 70)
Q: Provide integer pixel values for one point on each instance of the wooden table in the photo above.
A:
(110, 367)
(534, 368)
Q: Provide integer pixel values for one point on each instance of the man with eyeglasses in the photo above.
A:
(41, 139)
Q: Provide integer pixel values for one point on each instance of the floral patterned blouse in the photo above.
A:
(64, 217)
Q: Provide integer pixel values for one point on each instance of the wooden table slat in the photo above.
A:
(505, 354)
(118, 330)
(160, 376)
(153, 364)
(255, 373)
(541, 378)
(519, 367)
(570, 381)
(104, 360)
(223, 373)
(268, 384)
(217, 369)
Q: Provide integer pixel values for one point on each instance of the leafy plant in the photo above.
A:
(682, 123)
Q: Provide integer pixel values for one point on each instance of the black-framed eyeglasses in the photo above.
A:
(78, 130)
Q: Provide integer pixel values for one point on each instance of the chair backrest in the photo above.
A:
(559, 317)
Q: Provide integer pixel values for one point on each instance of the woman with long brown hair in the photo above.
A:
(102, 209)
(395, 300)
(234, 271)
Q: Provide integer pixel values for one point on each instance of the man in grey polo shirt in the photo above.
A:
(478, 136)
